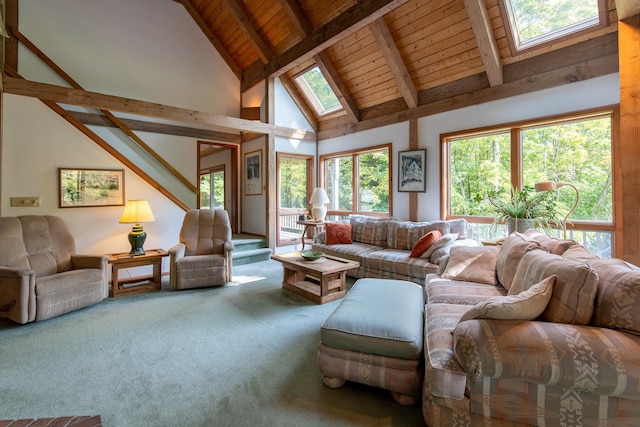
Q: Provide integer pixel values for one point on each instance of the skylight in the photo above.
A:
(318, 91)
(537, 21)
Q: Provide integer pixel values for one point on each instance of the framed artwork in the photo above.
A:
(412, 170)
(253, 173)
(90, 187)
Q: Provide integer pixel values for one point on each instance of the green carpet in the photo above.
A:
(239, 355)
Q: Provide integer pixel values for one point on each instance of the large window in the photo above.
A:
(358, 181)
(575, 150)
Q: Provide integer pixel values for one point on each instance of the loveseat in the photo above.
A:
(537, 331)
(384, 247)
(41, 276)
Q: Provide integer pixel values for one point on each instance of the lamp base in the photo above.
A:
(137, 236)
(319, 212)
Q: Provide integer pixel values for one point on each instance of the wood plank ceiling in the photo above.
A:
(392, 60)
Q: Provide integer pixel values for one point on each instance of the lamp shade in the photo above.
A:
(545, 186)
(319, 196)
(136, 211)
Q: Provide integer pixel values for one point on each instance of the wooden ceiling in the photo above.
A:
(393, 60)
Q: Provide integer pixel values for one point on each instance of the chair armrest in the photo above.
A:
(89, 261)
(177, 251)
(17, 294)
(229, 246)
(596, 360)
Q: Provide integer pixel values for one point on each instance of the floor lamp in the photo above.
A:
(549, 186)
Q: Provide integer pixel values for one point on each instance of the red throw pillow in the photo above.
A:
(424, 243)
(338, 233)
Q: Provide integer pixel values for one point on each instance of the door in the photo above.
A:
(294, 188)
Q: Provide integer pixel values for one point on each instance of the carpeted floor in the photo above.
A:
(239, 355)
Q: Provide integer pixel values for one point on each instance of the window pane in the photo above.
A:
(479, 165)
(318, 91)
(205, 191)
(293, 183)
(218, 189)
(339, 173)
(374, 181)
(536, 21)
(578, 153)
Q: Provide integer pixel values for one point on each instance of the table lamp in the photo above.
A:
(549, 186)
(135, 212)
(318, 199)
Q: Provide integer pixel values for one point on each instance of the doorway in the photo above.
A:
(218, 172)
(295, 183)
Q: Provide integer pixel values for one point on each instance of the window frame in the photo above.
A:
(550, 38)
(311, 96)
(354, 179)
(515, 129)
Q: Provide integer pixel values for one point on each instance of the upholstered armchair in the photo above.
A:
(41, 276)
(203, 256)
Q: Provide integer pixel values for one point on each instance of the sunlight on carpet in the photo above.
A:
(239, 280)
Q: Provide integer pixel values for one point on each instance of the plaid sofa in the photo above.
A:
(575, 364)
(382, 246)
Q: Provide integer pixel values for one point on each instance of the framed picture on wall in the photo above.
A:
(90, 187)
(253, 173)
(412, 170)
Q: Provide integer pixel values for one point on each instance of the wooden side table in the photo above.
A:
(139, 284)
(315, 226)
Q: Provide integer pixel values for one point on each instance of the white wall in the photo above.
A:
(145, 49)
(583, 95)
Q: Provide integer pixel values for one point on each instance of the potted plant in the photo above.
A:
(524, 209)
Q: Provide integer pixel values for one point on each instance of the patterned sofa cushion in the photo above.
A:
(396, 263)
(439, 290)
(511, 252)
(617, 303)
(369, 230)
(553, 245)
(574, 291)
(405, 234)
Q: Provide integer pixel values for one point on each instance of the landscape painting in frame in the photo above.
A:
(253, 173)
(90, 187)
(412, 170)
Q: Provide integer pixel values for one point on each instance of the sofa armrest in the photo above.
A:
(89, 261)
(17, 294)
(596, 360)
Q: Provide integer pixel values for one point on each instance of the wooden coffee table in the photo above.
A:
(320, 281)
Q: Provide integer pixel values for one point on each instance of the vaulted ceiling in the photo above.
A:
(393, 60)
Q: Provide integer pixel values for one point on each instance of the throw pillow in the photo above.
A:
(527, 305)
(472, 264)
(338, 233)
(511, 252)
(424, 243)
(445, 240)
(555, 246)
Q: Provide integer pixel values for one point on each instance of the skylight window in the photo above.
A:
(537, 21)
(318, 91)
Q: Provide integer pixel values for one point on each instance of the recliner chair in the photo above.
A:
(41, 276)
(203, 256)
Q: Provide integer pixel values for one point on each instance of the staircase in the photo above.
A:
(249, 249)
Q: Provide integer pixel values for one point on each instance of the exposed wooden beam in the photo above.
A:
(204, 27)
(604, 65)
(142, 126)
(115, 120)
(337, 85)
(148, 109)
(250, 113)
(304, 27)
(627, 8)
(358, 16)
(481, 25)
(241, 17)
(395, 62)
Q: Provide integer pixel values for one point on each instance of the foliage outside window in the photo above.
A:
(293, 183)
(212, 189)
(358, 181)
(318, 91)
(576, 150)
(538, 21)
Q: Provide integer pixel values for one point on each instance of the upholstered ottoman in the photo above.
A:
(375, 337)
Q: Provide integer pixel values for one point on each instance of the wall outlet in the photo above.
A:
(25, 202)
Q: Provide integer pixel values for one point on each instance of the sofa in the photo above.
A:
(41, 276)
(384, 247)
(537, 331)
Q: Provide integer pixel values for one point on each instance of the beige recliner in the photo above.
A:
(203, 256)
(41, 276)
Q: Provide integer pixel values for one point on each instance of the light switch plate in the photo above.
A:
(25, 202)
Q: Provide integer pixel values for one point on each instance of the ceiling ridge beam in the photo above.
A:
(481, 25)
(355, 18)
(395, 62)
(116, 121)
(97, 100)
